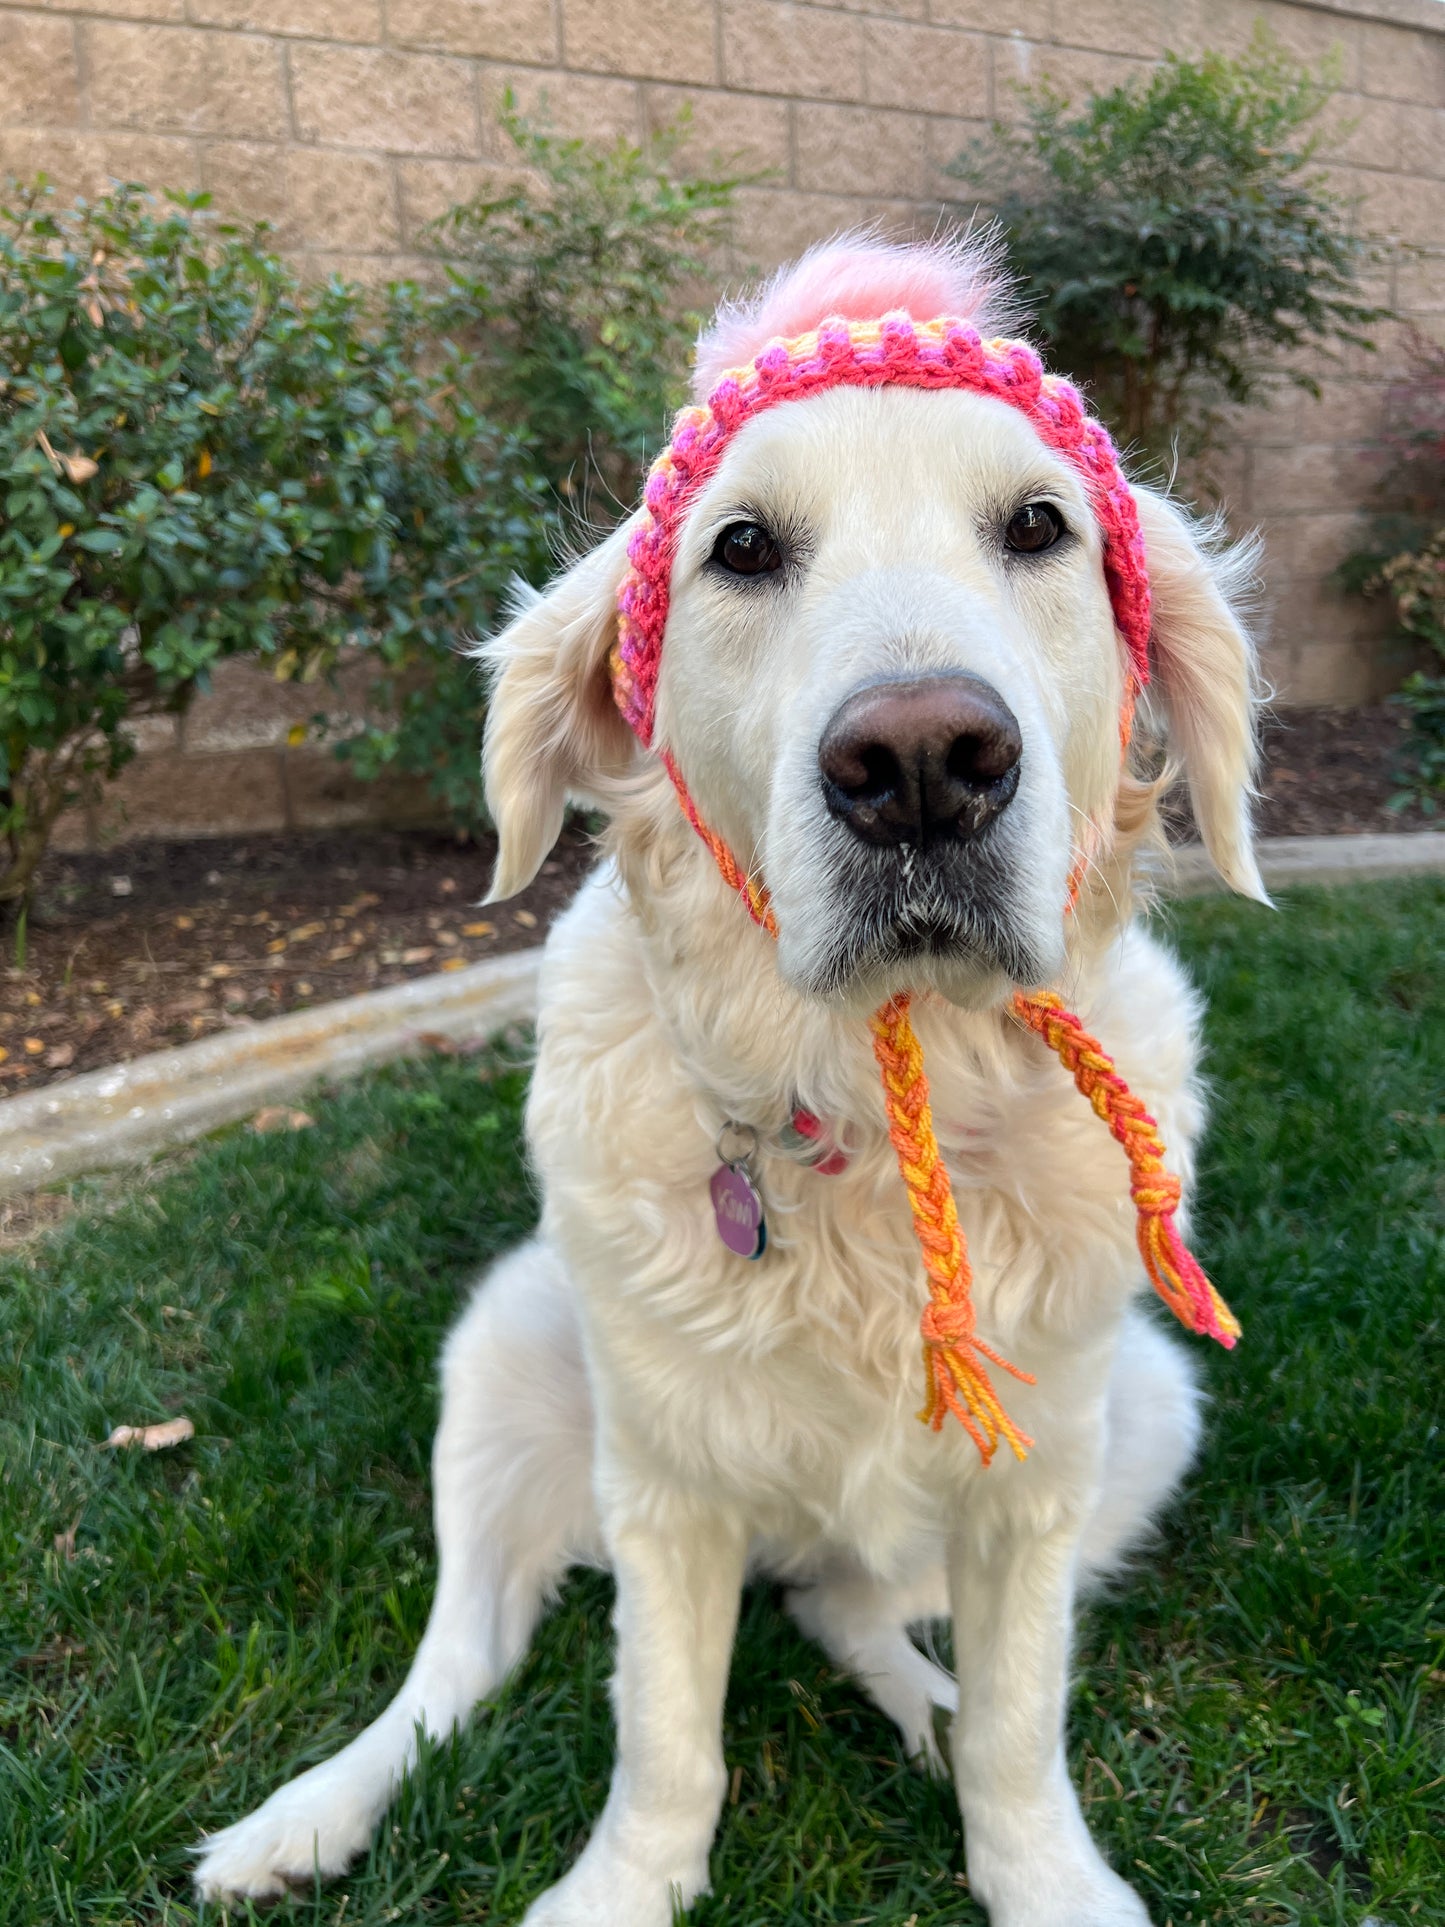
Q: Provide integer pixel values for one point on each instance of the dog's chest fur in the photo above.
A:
(789, 1385)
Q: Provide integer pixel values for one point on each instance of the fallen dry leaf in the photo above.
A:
(65, 1541)
(447, 886)
(526, 919)
(479, 930)
(454, 963)
(34, 1046)
(275, 947)
(438, 1041)
(304, 932)
(53, 1654)
(185, 923)
(341, 954)
(78, 467)
(153, 1438)
(280, 1117)
(59, 1057)
(423, 953)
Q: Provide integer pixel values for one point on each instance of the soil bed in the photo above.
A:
(1332, 772)
(156, 944)
(161, 943)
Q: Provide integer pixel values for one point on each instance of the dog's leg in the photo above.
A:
(513, 1508)
(1153, 1434)
(1030, 1858)
(862, 1625)
(679, 1572)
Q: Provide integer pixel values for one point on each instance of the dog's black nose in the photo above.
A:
(919, 762)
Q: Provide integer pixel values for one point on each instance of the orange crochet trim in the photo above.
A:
(755, 898)
(1173, 1270)
(958, 1381)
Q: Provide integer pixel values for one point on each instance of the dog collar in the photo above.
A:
(945, 353)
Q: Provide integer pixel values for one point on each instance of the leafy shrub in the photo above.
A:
(567, 297)
(1173, 239)
(1404, 559)
(198, 459)
(572, 294)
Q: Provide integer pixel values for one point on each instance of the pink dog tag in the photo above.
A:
(739, 1211)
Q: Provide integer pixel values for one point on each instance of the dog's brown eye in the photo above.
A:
(744, 548)
(1036, 526)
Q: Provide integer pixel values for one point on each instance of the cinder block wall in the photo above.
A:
(350, 123)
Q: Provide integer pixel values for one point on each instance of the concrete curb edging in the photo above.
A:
(1284, 860)
(108, 1118)
(122, 1115)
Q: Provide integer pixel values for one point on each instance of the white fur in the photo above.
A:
(623, 1389)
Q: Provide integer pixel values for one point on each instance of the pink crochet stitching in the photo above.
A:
(896, 351)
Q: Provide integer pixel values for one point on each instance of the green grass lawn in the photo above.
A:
(1258, 1721)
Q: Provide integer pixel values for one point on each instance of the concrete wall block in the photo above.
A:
(935, 70)
(182, 81)
(351, 20)
(1314, 476)
(341, 202)
(677, 41)
(775, 224)
(174, 10)
(1032, 18)
(384, 100)
(1402, 207)
(1398, 136)
(322, 794)
(495, 29)
(861, 150)
(373, 271)
(1332, 672)
(945, 140)
(39, 77)
(249, 180)
(91, 163)
(171, 794)
(1021, 63)
(727, 134)
(1134, 27)
(581, 106)
(1403, 66)
(430, 189)
(774, 47)
(1420, 283)
(1308, 548)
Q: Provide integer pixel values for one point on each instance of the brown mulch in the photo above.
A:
(1332, 772)
(158, 944)
(162, 943)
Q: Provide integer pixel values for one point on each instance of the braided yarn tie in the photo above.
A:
(1173, 1270)
(953, 1352)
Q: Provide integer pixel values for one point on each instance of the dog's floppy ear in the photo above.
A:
(553, 730)
(1204, 677)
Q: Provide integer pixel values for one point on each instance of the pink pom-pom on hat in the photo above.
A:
(862, 312)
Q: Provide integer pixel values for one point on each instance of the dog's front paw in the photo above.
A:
(1052, 1885)
(314, 1824)
(606, 1890)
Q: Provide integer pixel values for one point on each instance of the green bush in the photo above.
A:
(201, 459)
(568, 298)
(1404, 559)
(1174, 240)
(573, 296)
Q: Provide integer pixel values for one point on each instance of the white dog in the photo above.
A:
(626, 1389)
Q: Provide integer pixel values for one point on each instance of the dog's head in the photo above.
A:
(892, 677)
